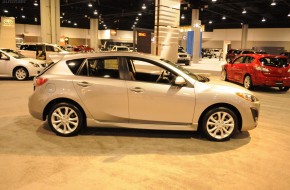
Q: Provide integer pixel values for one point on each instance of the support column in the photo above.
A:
(166, 29)
(196, 28)
(244, 36)
(94, 29)
(50, 21)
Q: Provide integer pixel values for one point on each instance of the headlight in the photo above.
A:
(34, 64)
(248, 97)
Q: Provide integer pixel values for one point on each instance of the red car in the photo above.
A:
(258, 70)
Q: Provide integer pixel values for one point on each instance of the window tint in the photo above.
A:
(74, 65)
(103, 67)
(149, 71)
(239, 60)
(28, 47)
(249, 59)
(49, 48)
(274, 62)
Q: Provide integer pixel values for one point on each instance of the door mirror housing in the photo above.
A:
(180, 81)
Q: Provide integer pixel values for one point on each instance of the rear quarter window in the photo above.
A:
(74, 65)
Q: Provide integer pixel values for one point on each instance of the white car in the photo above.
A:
(14, 64)
(183, 57)
(120, 48)
(109, 89)
(30, 50)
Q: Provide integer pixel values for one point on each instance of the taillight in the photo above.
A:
(40, 81)
(262, 69)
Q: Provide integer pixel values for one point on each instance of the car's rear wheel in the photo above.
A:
(224, 76)
(283, 89)
(219, 124)
(248, 82)
(65, 119)
(20, 73)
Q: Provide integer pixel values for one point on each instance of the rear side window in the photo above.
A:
(274, 62)
(74, 65)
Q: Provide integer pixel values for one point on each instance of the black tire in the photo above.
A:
(186, 63)
(65, 119)
(284, 89)
(213, 127)
(224, 75)
(20, 73)
(248, 82)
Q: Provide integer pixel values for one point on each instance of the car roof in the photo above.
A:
(258, 56)
(108, 54)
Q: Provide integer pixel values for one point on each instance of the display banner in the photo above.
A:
(7, 33)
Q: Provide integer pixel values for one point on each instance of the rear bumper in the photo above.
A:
(261, 80)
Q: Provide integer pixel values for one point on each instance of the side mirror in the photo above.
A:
(180, 81)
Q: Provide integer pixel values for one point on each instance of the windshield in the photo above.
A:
(13, 53)
(180, 50)
(274, 62)
(192, 75)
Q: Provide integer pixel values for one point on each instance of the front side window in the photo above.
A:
(13, 53)
(239, 60)
(149, 71)
(49, 48)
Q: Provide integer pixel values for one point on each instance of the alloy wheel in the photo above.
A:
(21, 74)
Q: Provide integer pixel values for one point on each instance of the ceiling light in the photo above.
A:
(75, 24)
(90, 4)
(35, 3)
(210, 22)
(23, 16)
(63, 14)
(224, 17)
(21, 9)
(135, 22)
(140, 14)
(105, 25)
(86, 16)
(35, 19)
(263, 19)
(289, 14)
(182, 16)
(133, 26)
(95, 12)
(244, 11)
(6, 11)
(137, 18)
(61, 17)
(68, 21)
(273, 3)
(144, 6)
(213, 0)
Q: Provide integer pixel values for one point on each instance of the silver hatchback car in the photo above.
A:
(137, 91)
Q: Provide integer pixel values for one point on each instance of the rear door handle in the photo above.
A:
(137, 90)
(84, 84)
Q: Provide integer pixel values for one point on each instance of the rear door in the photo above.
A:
(100, 86)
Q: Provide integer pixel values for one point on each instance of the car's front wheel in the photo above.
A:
(248, 82)
(224, 76)
(65, 119)
(219, 124)
(21, 73)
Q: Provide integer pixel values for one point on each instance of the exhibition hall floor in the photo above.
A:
(32, 157)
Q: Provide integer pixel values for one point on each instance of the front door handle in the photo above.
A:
(84, 84)
(137, 90)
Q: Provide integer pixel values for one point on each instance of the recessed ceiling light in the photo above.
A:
(90, 4)
(263, 19)
(144, 6)
(273, 3)
(35, 3)
(137, 18)
(224, 17)
(289, 14)
(75, 24)
(140, 14)
(23, 16)
(213, 0)
(95, 12)
(244, 11)
(69, 21)
(182, 16)
(5, 11)
(210, 22)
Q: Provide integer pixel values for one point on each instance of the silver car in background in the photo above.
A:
(137, 91)
(14, 64)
